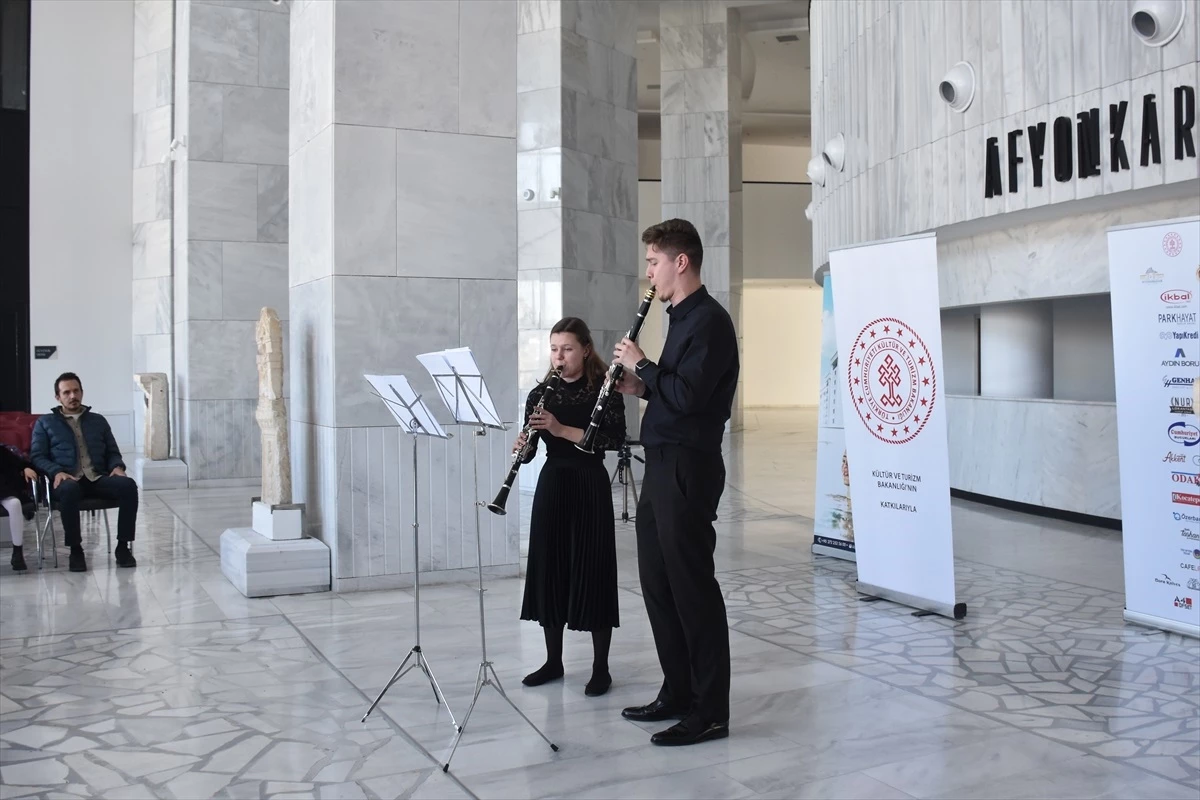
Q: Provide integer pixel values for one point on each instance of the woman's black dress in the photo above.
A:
(571, 577)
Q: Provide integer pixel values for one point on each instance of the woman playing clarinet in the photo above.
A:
(571, 576)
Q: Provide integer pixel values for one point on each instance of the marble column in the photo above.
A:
(402, 159)
(700, 47)
(153, 107)
(231, 224)
(578, 252)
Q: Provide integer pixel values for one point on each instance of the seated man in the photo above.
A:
(76, 450)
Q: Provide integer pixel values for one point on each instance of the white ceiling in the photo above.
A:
(778, 107)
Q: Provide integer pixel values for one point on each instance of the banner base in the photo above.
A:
(836, 552)
(1171, 625)
(952, 611)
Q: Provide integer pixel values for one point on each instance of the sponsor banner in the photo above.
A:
(889, 338)
(1155, 279)
(833, 528)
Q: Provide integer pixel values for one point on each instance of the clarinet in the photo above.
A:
(529, 448)
(588, 445)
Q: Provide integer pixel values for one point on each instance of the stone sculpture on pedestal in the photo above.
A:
(157, 445)
(271, 413)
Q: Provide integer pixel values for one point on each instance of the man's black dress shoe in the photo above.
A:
(690, 732)
(654, 712)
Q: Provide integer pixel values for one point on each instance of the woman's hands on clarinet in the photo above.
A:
(543, 420)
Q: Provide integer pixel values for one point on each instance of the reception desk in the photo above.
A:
(1058, 454)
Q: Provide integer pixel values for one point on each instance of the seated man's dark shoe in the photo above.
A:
(690, 731)
(654, 712)
(18, 559)
(76, 562)
(124, 556)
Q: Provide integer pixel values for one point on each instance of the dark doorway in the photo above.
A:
(14, 205)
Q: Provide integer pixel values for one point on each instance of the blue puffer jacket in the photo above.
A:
(53, 450)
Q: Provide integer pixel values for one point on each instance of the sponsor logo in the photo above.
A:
(1177, 318)
(1183, 602)
(1172, 244)
(1186, 565)
(1174, 458)
(1182, 405)
(1169, 381)
(1183, 516)
(892, 380)
(1150, 276)
(1194, 584)
(1165, 580)
(1180, 360)
(1185, 477)
(1190, 535)
(1176, 298)
(1185, 499)
(1178, 335)
(1193, 553)
(1184, 434)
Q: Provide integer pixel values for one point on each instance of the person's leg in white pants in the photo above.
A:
(16, 524)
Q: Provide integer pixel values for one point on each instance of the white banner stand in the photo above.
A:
(415, 418)
(1155, 295)
(463, 390)
(889, 339)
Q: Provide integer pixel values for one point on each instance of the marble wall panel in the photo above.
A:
(364, 194)
(223, 440)
(487, 319)
(1116, 39)
(255, 125)
(202, 287)
(153, 26)
(223, 46)
(456, 205)
(397, 63)
(310, 74)
(488, 59)
(274, 38)
(311, 254)
(272, 203)
(152, 249)
(222, 201)
(1046, 465)
(254, 275)
(153, 80)
(151, 193)
(151, 306)
(221, 360)
(310, 365)
(205, 123)
(1176, 169)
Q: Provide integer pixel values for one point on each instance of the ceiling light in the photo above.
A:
(816, 170)
(1157, 22)
(957, 89)
(835, 152)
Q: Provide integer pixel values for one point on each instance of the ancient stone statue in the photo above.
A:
(157, 446)
(271, 414)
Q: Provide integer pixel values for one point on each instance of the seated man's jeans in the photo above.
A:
(120, 489)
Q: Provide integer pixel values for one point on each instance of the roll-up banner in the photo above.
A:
(1154, 273)
(889, 341)
(833, 527)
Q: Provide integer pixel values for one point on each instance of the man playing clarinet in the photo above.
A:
(689, 395)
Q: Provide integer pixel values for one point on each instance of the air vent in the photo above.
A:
(787, 37)
(653, 85)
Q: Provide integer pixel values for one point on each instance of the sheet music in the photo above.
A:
(462, 386)
(408, 409)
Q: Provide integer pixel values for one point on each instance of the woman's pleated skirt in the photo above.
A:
(571, 576)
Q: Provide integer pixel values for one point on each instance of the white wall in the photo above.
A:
(1016, 350)
(760, 162)
(960, 351)
(781, 362)
(80, 215)
(1083, 349)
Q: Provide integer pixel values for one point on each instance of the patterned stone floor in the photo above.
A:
(165, 682)
(1041, 655)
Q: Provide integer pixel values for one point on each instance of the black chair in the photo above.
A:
(91, 505)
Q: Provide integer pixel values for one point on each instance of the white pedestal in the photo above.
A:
(152, 476)
(260, 567)
(278, 523)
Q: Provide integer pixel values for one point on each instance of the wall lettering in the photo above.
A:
(1078, 150)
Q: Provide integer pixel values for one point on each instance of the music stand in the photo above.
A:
(463, 390)
(415, 418)
(624, 474)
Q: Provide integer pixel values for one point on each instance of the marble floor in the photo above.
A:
(165, 682)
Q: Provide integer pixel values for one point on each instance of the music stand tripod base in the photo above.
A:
(409, 410)
(624, 473)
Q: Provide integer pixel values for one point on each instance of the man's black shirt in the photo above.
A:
(690, 391)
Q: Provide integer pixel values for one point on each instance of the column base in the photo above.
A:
(260, 567)
(152, 476)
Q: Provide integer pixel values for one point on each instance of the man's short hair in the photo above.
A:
(676, 236)
(66, 376)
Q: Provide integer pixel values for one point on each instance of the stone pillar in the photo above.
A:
(578, 251)
(231, 223)
(403, 169)
(702, 141)
(153, 107)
